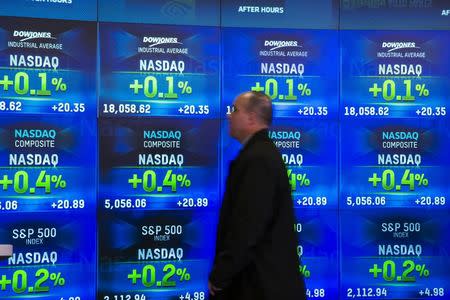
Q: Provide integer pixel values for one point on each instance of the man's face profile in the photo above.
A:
(238, 119)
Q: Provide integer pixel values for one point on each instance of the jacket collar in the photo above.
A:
(258, 136)
(261, 135)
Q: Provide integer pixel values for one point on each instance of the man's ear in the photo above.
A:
(252, 117)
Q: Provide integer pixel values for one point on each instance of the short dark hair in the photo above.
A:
(261, 104)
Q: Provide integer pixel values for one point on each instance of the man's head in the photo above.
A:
(252, 111)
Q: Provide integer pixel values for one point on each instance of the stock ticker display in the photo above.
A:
(114, 144)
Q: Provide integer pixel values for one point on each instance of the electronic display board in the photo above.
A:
(181, 12)
(394, 254)
(318, 251)
(158, 196)
(160, 159)
(394, 14)
(402, 74)
(298, 69)
(53, 256)
(48, 206)
(154, 254)
(114, 144)
(155, 70)
(47, 67)
(318, 14)
(48, 164)
(309, 151)
(395, 163)
(85, 10)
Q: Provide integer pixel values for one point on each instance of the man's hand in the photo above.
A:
(213, 289)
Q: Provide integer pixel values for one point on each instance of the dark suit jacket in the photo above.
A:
(256, 255)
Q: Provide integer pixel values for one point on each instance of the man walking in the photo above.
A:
(256, 244)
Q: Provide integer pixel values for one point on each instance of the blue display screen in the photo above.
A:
(297, 68)
(48, 67)
(186, 12)
(85, 10)
(319, 14)
(309, 152)
(388, 15)
(115, 144)
(402, 74)
(395, 254)
(394, 163)
(161, 159)
(151, 70)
